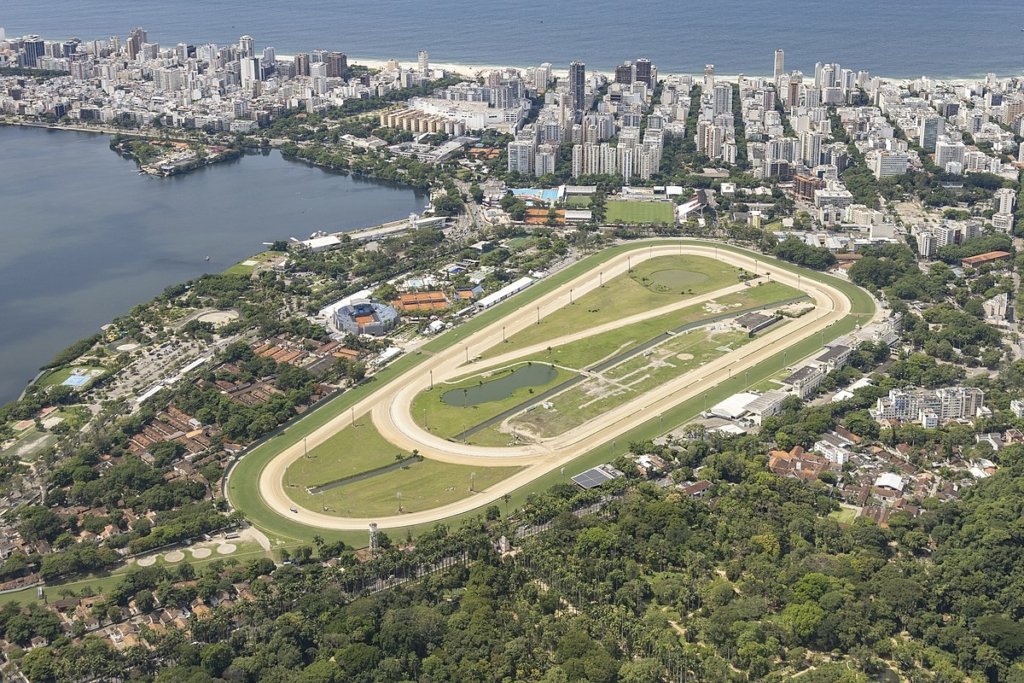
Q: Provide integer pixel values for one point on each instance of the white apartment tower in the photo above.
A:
(245, 47)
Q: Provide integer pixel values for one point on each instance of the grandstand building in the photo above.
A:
(363, 316)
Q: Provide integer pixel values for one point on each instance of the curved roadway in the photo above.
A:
(390, 407)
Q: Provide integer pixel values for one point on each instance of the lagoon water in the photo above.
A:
(899, 39)
(84, 237)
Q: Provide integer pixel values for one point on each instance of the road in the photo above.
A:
(390, 407)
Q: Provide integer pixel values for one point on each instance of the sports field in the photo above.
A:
(76, 377)
(637, 213)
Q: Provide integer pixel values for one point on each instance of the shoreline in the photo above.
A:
(468, 69)
(34, 372)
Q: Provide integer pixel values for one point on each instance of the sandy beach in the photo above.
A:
(474, 70)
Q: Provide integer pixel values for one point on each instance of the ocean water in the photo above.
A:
(85, 237)
(900, 39)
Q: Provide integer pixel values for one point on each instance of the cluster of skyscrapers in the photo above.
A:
(610, 125)
(135, 81)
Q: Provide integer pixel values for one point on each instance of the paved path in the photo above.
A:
(390, 407)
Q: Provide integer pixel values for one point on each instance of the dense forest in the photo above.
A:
(756, 586)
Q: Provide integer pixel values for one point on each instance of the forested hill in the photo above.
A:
(754, 583)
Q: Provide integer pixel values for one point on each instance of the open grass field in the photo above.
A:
(846, 514)
(353, 450)
(446, 420)
(578, 201)
(586, 352)
(422, 485)
(243, 491)
(635, 376)
(653, 283)
(636, 213)
(248, 265)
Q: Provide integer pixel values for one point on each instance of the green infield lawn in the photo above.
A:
(653, 283)
(353, 450)
(446, 420)
(585, 352)
(422, 485)
(625, 381)
(635, 213)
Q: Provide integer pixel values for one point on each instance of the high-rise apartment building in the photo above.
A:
(337, 64)
(35, 49)
(246, 47)
(709, 77)
(625, 73)
(578, 85)
(930, 130)
(136, 37)
(646, 72)
(780, 64)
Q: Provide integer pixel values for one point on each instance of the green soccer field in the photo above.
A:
(640, 212)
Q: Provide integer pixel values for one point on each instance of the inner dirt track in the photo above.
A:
(390, 407)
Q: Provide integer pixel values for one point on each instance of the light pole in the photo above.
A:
(472, 482)
(503, 339)
(466, 347)
(571, 302)
(431, 380)
(538, 315)
(305, 449)
(352, 412)
(600, 278)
